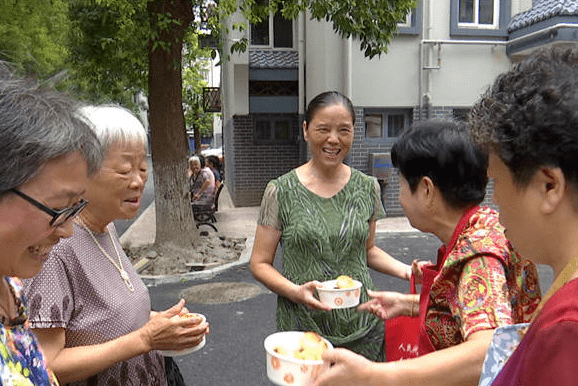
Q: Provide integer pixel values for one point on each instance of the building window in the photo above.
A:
(461, 114)
(479, 18)
(387, 123)
(273, 88)
(407, 22)
(373, 126)
(412, 23)
(478, 13)
(274, 31)
(274, 128)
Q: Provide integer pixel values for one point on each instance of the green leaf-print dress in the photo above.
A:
(323, 238)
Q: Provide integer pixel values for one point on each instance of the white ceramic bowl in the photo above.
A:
(339, 297)
(285, 370)
(176, 353)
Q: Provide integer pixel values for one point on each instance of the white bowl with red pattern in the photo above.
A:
(336, 297)
(186, 351)
(286, 370)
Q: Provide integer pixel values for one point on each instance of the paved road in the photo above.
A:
(234, 353)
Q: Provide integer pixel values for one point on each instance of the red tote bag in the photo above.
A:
(401, 334)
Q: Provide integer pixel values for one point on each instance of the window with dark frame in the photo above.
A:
(461, 114)
(408, 20)
(386, 123)
(482, 13)
(276, 30)
(373, 126)
(282, 32)
(395, 124)
(274, 128)
(260, 33)
(412, 23)
(480, 18)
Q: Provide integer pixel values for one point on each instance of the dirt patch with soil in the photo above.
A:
(213, 250)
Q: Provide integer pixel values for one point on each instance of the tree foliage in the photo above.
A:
(108, 50)
(372, 23)
(33, 36)
(119, 47)
(196, 63)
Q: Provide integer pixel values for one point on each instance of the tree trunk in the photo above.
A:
(175, 225)
(197, 135)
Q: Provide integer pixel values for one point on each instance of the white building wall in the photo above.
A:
(324, 59)
(390, 80)
(393, 80)
(464, 73)
(235, 72)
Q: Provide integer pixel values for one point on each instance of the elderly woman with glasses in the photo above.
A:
(46, 155)
(89, 308)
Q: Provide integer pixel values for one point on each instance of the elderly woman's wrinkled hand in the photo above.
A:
(384, 304)
(164, 331)
(306, 295)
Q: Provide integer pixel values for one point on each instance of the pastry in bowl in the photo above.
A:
(311, 346)
(344, 281)
(175, 353)
(192, 315)
(294, 357)
(342, 292)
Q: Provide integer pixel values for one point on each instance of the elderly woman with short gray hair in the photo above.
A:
(46, 155)
(89, 308)
(201, 184)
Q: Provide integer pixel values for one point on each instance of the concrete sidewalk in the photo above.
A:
(231, 222)
(234, 222)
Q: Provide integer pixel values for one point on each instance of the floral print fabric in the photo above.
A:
(21, 360)
(483, 283)
(504, 342)
(323, 238)
(546, 355)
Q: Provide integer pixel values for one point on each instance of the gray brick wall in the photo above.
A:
(249, 166)
(255, 164)
(359, 158)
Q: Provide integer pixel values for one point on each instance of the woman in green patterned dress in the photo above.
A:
(324, 214)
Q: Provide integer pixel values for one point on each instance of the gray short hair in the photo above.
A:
(38, 125)
(112, 124)
(195, 159)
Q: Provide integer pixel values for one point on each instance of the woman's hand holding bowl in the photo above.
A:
(306, 295)
(170, 330)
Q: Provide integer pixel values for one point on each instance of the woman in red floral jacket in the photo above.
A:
(478, 282)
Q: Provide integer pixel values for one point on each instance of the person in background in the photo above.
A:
(214, 164)
(478, 283)
(324, 213)
(46, 154)
(528, 121)
(201, 184)
(89, 308)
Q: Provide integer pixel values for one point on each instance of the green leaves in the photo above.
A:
(108, 49)
(372, 22)
(33, 35)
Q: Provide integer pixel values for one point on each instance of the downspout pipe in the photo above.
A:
(301, 65)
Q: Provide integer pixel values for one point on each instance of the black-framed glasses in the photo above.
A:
(59, 217)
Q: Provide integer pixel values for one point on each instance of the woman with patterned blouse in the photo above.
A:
(324, 214)
(46, 155)
(89, 308)
(527, 120)
(478, 282)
